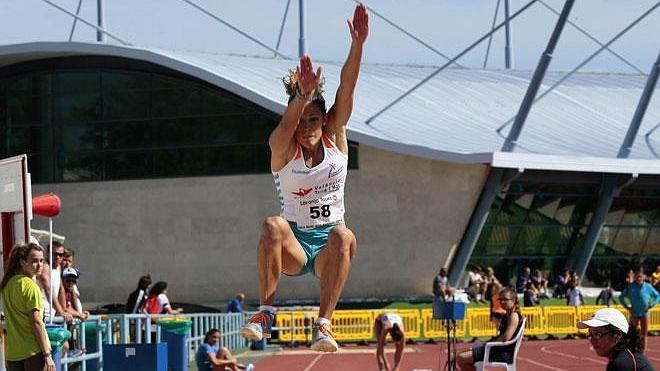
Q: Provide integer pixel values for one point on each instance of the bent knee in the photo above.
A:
(342, 240)
(272, 229)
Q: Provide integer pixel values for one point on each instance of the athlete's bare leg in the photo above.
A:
(278, 252)
(332, 266)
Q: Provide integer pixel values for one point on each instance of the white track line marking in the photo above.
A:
(546, 349)
(653, 358)
(540, 364)
(313, 362)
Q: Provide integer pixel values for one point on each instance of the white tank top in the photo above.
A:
(313, 197)
(390, 319)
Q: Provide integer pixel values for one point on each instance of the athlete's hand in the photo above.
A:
(308, 81)
(359, 28)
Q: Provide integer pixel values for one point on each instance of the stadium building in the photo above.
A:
(160, 158)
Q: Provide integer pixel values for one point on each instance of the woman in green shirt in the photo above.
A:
(27, 347)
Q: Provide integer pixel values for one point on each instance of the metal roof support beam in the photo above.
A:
(279, 37)
(100, 20)
(242, 33)
(425, 44)
(508, 52)
(75, 21)
(610, 189)
(584, 62)
(301, 36)
(490, 38)
(450, 62)
(97, 28)
(497, 179)
(587, 34)
(537, 79)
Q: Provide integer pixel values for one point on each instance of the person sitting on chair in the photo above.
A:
(392, 324)
(507, 330)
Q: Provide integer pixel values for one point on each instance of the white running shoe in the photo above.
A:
(258, 326)
(322, 338)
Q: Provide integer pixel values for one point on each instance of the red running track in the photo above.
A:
(548, 355)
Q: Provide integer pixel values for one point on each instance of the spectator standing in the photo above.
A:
(642, 297)
(157, 302)
(440, 284)
(136, 298)
(574, 295)
(530, 298)
(606, 296)
(27, 345)
(52, 273)
(562, 284)
(212, 356)
(236, 304)
(525, 276)
(611, 337)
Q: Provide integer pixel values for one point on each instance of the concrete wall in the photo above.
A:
(200, 234)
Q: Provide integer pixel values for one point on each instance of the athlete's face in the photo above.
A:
(310, 126)
(602, 340)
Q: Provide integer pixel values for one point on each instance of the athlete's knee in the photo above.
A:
(342, 240)
(271, 230)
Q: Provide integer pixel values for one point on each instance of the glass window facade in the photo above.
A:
(543, 226)
(92, 118)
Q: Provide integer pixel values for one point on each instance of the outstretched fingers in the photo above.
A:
(308, 80)
(360, 26)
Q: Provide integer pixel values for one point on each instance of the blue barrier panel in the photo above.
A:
(135, 357)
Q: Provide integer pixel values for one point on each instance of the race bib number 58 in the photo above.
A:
(318, 211)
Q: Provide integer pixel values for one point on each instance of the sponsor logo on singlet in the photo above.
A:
(302, 192)
(334, 171)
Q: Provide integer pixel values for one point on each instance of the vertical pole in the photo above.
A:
(609, 188)
(50, 257)
(508, 52)
(301, 39)
(100, 15)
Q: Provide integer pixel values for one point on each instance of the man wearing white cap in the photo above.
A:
(611, 337)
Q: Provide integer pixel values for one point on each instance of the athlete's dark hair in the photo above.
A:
(396, 332)
(210, 333)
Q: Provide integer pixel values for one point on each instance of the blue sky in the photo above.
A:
(447, 25)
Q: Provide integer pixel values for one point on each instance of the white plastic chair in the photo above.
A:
(480, 366)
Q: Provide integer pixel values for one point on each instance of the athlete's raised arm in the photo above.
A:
(343, 107)
(281, 140)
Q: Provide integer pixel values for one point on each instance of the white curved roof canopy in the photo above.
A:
(453, 117)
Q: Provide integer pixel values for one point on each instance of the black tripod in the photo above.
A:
(450, 325)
